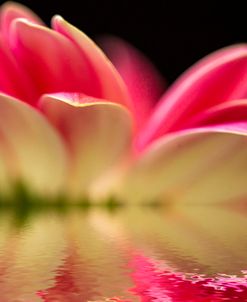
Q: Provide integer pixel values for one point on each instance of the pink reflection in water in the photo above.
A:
(74, 282)
(154, 283)
(78, 277)
(71, 283)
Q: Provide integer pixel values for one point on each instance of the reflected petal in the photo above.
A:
(153, 282)
(207, 240)
(33, 255)
(84, 272)
(180, 253)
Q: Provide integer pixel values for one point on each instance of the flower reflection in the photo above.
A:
(83, 274)
(69, 287)
(155, 284)
(26, 256)
(165, 255)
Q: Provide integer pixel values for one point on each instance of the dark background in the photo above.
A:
(173, 34)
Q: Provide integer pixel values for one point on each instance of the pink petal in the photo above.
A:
(218, 78)
(202, 165)
(52, 61)
(144, 83)
(112, 85)
(232, 111)
(97, 134)
(31, 151)
(13, 80)
(10, 11)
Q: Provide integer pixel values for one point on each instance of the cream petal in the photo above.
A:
(203, 165)
(32, 152)
(97, 134)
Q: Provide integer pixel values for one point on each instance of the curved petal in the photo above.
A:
(112, 85)
(31, 150)
(229, 112)
(144, 83)
(203, 165)
(97, 134)
(13, 80)
(218, 78)
(9, 11)
(52, 61)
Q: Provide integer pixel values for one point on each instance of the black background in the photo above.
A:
(173, 34)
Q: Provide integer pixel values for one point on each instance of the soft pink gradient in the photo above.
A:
(109, 118)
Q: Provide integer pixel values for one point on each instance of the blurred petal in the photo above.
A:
(218, 78)
(96, 132)
(112, 85)
(31, 150)
(13, 80)
(4, 184)
(144, 83)
(9, 11)
(203, 165)
(233, 111)
(52, 61)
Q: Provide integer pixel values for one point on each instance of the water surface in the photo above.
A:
(125, 254)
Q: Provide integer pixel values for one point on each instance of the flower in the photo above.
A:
(72, 123)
